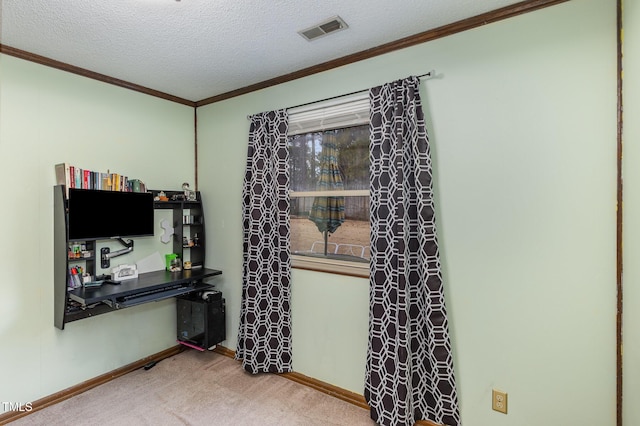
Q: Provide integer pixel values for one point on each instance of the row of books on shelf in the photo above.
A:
(75, 177)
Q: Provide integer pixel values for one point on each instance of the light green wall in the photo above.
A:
(523, 128)
(47, 117)
(631, 221)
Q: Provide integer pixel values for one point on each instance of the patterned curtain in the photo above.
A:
(409, 372)
(264, 335)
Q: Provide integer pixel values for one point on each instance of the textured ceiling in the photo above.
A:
(195, 49)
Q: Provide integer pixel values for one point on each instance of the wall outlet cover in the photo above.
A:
(499, 401)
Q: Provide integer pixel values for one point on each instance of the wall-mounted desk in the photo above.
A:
(72, 304)
(148, 287)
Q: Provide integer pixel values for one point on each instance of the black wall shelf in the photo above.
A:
(83, 302)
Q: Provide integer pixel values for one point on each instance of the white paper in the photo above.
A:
(150, 263)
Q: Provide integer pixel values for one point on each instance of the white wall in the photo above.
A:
(631, 221)
(47, 117)
(523, 129)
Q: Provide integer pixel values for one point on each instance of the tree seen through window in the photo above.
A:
(330, 200)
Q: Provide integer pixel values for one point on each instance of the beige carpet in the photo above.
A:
(200, 388)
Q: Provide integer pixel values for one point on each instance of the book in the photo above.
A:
(78, 177)
(86, 179)
(106, 181)
(72, 176)
(63, 176)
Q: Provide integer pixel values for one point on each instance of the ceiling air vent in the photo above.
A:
(322, 29)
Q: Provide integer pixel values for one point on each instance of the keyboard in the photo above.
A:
(152, 295)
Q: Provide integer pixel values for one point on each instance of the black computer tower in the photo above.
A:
(201, 319)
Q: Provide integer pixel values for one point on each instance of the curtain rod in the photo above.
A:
(430, 74)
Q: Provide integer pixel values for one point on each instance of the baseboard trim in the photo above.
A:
(324, 387)
(329, 389)
(89, 384)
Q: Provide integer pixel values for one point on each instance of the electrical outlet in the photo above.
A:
(499, 401)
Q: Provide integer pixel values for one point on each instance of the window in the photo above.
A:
(329, 166)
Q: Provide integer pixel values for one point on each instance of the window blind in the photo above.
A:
(347, 111)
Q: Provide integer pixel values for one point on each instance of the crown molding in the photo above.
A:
(42, 60)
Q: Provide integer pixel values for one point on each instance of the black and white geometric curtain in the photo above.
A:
(409, 371)
(264, 335)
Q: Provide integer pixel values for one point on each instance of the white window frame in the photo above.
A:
(346, 111)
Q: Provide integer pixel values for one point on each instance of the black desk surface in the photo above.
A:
(149, 281)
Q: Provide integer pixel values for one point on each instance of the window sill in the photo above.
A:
(333, 266)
